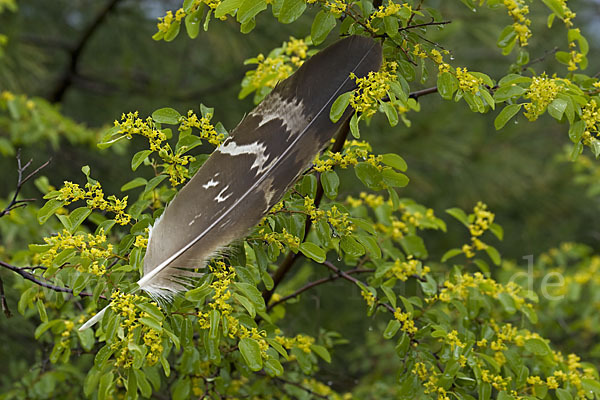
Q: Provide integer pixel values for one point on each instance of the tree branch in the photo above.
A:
(14, 203)
(75, 54)
(33, 278)
(419, 93)
(357, 282)
(316, 283)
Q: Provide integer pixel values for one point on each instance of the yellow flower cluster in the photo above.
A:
(335, 7)
(124, 304)
(280, 64)
(575, 58)
(406, 321)
(207, 130)
(519, 11)
(497, 381)
(89, 246)
(175, 167)
(468, 82)
(369, 199)
(385, 11)
(354, 152)
(405, 269)
(590, 114)
(223, 278)
(369, 297)
(488, 286)
(542, 91)
(300, 341)
(338, 220)
(429, 378)
(372, 88)
(408, 222)
(164, 23)
(280, 239)
(94, 197)
(482, 220)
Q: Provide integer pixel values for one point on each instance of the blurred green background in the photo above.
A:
(455, 157)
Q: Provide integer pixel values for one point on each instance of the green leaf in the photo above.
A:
(339, 106)
(139, 158)
(576, 131)
(451, 253)
(214, 318)
(394, 161)
(172, 32)
(41, 310)
(154, 182)
(77, 217)
(227, 7)
(273, 367)
(493, 254)
(182, 389)
(151, 323)
(393, 178)
(505, 93)
(250, 350)
(506, 114)
(563, 394)
(557, 108)
(392, 328)
(370, 243)
(447, 84)
(330, 182)
(166, 116)
(369, 175)
(152, 310)
(49, 209)
(537, 346)
(247, 304)
(497, 231)
(323, 23)
(321, 352)
(354, 125)
(313, 251)
(134, 183)
(249, 9)
(291, 10)
(105, 386)
(351, 246)
(390, 113)
(556, 7)
(193, 22)
(252, 293)
(507, 302)
(459, 215)
(414, 245)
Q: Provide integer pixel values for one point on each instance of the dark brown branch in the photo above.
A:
(316, 283)
(14, 203)
(75, 54)
(291, 257)
(3, 302)
(430, 23)
(33, 278)
(540, 59)
(419, 93)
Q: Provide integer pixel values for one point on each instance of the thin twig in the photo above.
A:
(316, 283)
(14, 203)
(430, 23)
(33, 278)
(357, 282)
(540, 59)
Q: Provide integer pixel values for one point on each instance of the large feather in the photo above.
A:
(254, 167)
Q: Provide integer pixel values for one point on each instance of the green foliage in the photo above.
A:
(461, 330)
